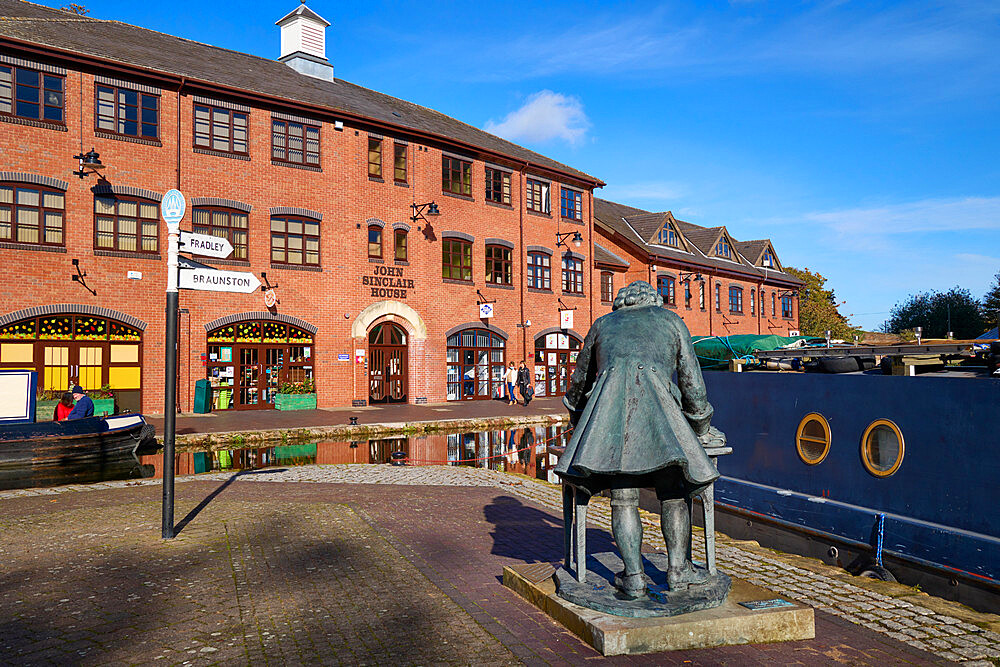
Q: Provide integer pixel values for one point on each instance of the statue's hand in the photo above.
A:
(714, 438)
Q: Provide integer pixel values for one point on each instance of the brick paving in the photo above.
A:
(314, 564)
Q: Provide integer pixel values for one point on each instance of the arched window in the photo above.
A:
(607, 286)
(555, 360)
(399, 242)
(68, 349)
(226, 224)
(667, 287)
(32, 214)
(374, 242)
(476, 359)
(249, 361)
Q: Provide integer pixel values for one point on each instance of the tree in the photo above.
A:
(990, 309)
(931, 311)
(818, 307)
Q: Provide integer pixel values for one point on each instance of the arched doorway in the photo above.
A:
(476, 359)
(248, 362)
(388, 381)
(555, 359)
(91, 350)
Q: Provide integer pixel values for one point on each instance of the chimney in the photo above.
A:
(303, 42)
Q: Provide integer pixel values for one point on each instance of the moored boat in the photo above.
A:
(69, 452)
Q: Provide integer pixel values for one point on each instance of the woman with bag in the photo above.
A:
(524, 383)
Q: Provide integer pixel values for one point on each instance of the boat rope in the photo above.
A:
(880, 532)
(427, 462)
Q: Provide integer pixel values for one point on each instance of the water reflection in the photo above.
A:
(531, 451)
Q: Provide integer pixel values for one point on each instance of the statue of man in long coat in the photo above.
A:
(634, 428)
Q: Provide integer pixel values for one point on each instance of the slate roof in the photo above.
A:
(624, 220)
(201, 63)
(604, 256)
(752, 250)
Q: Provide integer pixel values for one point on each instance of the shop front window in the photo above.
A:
(476, 359)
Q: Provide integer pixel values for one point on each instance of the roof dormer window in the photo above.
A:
(668, 236)
(768, 259)
(722, 248)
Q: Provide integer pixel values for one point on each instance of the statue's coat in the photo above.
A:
(630, 417)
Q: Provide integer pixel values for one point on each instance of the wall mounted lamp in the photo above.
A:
(789, 292)
(90, 163)
(420, 210)
(685, 277)
(81, 277)
(561, 239)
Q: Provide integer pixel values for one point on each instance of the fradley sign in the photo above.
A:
(387, 282)
(205, 244)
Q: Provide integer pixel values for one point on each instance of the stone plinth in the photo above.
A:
(725, 625)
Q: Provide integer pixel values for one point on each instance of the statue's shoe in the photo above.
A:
(631, 586)
(680, 578)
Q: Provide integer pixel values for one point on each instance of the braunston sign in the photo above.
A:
(387, 282)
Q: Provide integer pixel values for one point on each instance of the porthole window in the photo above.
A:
(882, 448)
(813, 438)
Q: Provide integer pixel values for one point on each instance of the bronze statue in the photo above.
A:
(635, 428)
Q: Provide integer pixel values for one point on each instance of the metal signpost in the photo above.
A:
(172, 209)
(197, 276)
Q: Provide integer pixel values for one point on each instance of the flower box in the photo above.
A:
(295, 401)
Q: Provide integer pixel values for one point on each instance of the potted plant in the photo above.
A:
(296, 395)
(45, 404)
(104, 400)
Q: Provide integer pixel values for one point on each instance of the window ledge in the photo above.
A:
(376, 260)
(128, 254)
(402, 184)
(296, 267)
(538, 213)
(401, 262)
(539, 290)
(105, 134)
(293, 165)
(224, 262)
(48, 125)
(452, 281)
(377, 179)
(456, 196)
(573, 221)
(574, 294)
(17, 245)
(497, 204)
(211, 151)
(500, 286)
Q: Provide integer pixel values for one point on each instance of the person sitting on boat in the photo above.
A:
(84, 406)
(64, 407)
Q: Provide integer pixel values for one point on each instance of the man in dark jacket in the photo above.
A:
(524, 383)
(84, 406)
(634, 428)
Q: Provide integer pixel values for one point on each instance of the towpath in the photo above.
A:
(372, 564)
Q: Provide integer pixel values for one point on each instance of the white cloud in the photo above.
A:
(927, 215)
(544, 116)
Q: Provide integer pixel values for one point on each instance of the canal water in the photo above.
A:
(529, 451)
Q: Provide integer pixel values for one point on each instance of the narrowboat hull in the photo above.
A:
(72, 452)
(932, 522)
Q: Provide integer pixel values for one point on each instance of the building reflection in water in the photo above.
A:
(532, 451)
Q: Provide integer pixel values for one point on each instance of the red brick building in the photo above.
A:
(385, 229)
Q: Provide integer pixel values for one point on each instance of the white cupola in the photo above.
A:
(303, 42)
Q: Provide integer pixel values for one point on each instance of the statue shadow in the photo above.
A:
(529, 535)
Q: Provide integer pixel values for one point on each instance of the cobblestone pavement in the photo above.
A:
(328, 571)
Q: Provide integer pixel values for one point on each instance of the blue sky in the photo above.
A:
(862, 138)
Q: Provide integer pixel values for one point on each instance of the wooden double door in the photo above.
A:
(388, 378)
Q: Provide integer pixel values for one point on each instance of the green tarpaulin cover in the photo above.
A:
(714, 352)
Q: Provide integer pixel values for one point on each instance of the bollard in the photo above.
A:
(398, 458)
(354, 421)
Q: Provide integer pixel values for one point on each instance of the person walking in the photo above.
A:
(510, 377)
(524, 383)
(84, 406)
